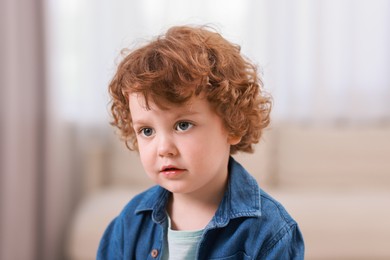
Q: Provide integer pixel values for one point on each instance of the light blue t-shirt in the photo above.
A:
(181, 244)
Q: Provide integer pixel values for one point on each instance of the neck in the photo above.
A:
(195, 210)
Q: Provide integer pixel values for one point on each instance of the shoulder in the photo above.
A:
(273, 210)
(122, 234)
(282, 235)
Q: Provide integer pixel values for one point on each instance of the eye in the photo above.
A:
(183, 126)
(147, 132)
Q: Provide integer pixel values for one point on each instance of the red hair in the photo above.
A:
(188, 61)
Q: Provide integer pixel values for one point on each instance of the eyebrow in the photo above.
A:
(185, 113)
(139, 122)
(181, 114)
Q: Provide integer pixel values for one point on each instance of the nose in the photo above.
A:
(166, 146)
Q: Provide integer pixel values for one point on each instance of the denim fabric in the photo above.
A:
(248, 224)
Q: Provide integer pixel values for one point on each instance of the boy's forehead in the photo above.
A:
(194, 103)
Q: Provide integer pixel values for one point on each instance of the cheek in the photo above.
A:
(146, 156)
(216, 139)
(205, 146)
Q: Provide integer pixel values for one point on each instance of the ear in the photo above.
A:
(232, 140)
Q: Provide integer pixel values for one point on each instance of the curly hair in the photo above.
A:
(188, 61)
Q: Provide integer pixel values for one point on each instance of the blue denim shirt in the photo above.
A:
(248, 224)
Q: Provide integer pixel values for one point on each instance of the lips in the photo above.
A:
(171, 170)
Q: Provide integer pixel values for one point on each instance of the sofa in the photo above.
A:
(334, 179)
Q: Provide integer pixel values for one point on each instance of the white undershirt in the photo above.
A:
(182, 245)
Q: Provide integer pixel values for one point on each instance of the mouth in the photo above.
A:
(171, 170)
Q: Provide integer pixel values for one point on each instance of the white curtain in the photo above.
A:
(321, 60)
(329, 60)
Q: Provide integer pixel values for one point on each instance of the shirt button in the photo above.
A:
(154, 253)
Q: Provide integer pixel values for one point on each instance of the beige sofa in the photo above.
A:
(334, 180)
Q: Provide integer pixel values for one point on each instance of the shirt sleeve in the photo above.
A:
(290, 246)
(111, 244)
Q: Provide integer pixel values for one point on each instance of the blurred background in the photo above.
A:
(326, 156)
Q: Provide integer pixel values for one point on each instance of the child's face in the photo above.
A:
(185, 149)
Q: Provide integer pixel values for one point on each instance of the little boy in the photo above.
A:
(186, 102)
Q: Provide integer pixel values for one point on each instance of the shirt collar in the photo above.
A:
(155, 200)
(241, 199)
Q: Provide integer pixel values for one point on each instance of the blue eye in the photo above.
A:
(183, 126)
(146, 131)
